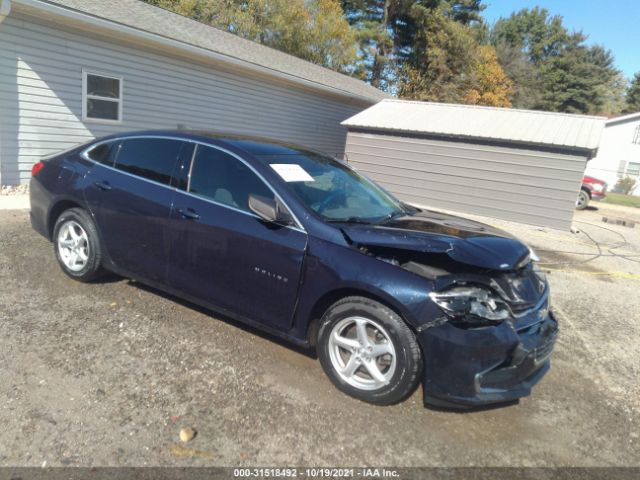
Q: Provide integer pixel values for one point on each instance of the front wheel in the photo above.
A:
(77, 245)
(583, 200)
(368, 351)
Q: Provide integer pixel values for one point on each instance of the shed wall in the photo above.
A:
(522, 185)
(41, 96)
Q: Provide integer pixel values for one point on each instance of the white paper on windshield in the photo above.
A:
(291, 172)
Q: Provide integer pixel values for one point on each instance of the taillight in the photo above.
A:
(36, 168)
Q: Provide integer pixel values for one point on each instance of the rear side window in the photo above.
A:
(224, 179)
(104, 153)
(151, 158)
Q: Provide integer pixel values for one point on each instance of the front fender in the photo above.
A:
(331, 268)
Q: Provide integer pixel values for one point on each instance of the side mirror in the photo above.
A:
(269, 210)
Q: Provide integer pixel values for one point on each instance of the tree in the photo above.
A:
(487, 82)
(632, 97)
(314, 30)
(434, 68)
(527, 88)
(446, 64)
(389, 29)
(579, 79)
(626, 185)
(466, 12)
(563, 73)
(372, 21)
(535, 31)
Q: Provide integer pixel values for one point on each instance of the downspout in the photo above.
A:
(5, 8)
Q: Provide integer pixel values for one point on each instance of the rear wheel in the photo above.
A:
(77, 245)
(368, 351)
(583, 200)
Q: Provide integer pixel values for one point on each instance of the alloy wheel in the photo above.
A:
(583, 200)
(73, 245)
(362, 353)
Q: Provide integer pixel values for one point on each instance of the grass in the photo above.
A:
(621, 199)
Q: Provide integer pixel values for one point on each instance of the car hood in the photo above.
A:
(465, 241)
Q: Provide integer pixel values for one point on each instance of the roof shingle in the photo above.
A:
(151, 19)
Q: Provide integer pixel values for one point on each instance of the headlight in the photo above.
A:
(472, 305)
(597, 186)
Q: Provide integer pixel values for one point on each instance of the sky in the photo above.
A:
(612, 23)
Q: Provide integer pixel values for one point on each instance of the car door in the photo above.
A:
(225, 255)
(131, 198)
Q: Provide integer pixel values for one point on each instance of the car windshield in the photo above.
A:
(332, 189)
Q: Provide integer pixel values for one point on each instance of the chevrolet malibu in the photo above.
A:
(304, 247)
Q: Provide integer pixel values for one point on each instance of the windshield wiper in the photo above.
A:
(393, 215)
(349, 220)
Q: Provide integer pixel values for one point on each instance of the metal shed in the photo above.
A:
(519, 165)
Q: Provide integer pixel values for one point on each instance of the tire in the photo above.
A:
(75, 236)
(389, 346)
(583, 200)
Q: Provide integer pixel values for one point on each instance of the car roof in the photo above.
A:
(251, 144)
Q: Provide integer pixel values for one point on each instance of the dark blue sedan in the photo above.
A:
(304, 247)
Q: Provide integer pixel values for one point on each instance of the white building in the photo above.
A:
(619, 152)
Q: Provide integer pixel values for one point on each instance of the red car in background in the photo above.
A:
(592, 189)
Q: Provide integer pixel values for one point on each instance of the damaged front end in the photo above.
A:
(495, 332)
(493, 341)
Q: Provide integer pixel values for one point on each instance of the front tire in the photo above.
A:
(583, 200)
(77, 245)
(368, 351)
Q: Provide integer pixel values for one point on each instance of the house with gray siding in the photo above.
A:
(519, 165)
(74, 70)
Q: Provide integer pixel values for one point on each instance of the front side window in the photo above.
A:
(151, 158)
(220, 177)
(101, 97)
(333, 190)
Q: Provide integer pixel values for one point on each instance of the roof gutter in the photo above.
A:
(5, 9)
(60, 13)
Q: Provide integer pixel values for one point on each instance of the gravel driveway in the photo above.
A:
(108, 373)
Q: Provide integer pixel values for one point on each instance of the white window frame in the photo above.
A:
(86, 97)
(635, 173)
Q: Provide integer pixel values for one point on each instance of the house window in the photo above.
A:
(636, 135)
(633, 169)
(101, 98)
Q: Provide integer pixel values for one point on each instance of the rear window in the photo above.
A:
(104, 153)
(151, 158)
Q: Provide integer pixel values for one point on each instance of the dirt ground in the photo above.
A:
(108, 373)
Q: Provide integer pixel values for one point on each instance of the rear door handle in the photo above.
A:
(188, 213)
(103, 185)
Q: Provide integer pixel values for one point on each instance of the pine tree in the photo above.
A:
(632, 100)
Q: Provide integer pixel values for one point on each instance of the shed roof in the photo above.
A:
(168, 25)
(560, 130)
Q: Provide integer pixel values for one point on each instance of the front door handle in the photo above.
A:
(103, 185)
(188, 213)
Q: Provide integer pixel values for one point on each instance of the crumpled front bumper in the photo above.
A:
(465, 368)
